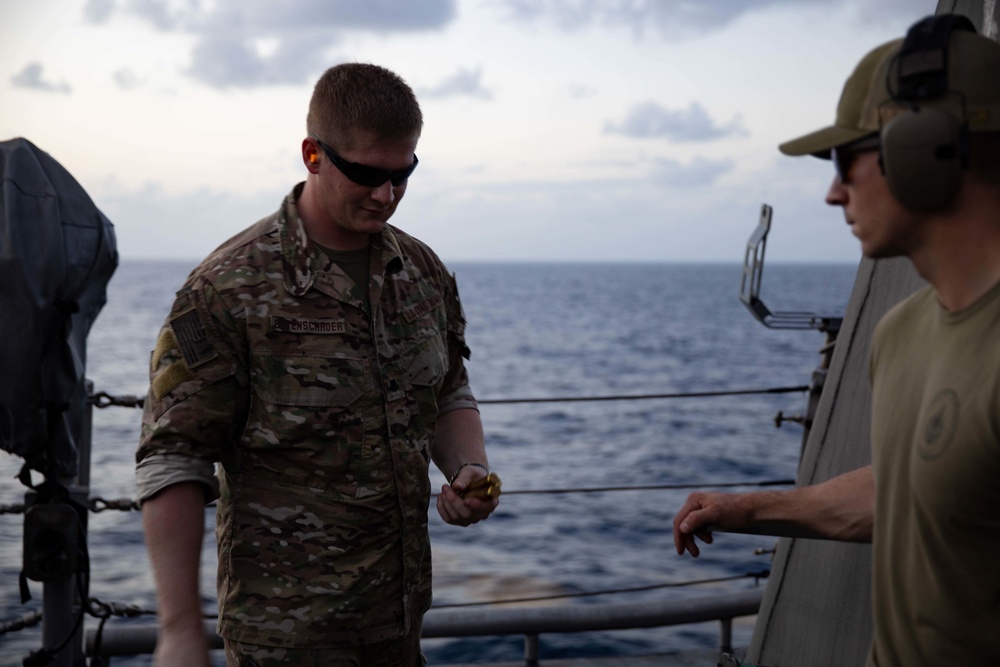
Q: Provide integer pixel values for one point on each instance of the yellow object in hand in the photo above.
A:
(484, 488)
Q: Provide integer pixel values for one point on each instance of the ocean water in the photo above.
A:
(536, 331)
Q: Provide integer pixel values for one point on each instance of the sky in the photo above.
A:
(554, 130)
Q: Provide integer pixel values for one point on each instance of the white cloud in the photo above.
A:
(225, 53)
(463, 83)
(126, 79)
(98, 11)
(650, 120)
(31, 78)
(690, 18)
(581, 90)
(223, 62)
(670, 18)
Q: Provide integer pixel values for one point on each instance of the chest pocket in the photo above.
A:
(307, 419)
(316, 382)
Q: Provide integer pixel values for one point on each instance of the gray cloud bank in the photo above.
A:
(226, 53)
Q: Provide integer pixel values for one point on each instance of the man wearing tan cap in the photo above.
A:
(916, 146)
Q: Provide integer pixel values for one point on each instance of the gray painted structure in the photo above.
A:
(817, 606)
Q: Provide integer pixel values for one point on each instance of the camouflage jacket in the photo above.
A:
(322, 418)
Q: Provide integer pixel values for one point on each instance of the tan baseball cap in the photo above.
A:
(866, 103)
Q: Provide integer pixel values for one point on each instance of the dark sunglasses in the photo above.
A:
(362, 174)
(843, 156)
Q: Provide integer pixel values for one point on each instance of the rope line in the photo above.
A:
(26, 621)
(98, 504)
(652, 487)
(640, 397)
(104, 400)
(757, 576)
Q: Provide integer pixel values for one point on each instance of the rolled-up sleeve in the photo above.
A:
(158, 471)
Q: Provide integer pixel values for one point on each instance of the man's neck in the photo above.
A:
(960, 256)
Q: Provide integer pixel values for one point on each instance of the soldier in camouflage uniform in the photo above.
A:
(318, 358)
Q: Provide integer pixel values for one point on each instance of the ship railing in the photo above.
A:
(529, 622)
(58, 599)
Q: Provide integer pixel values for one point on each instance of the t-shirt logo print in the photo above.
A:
(940, 426)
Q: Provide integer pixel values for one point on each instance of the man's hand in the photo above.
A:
(460, 511)
(701, 513)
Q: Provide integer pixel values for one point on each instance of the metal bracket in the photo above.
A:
(753, 272)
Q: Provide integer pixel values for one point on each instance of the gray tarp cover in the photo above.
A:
(57, 253)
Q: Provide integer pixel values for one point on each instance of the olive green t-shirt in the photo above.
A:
(355, 264)
(936, 455)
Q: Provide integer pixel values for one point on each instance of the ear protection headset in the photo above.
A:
(924, 147)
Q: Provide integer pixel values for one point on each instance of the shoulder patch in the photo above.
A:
(176, 373)
(171, 377)
(191, 338)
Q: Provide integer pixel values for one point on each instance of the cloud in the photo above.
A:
(98, 11)
(126, 79)
(258, 17)
(699, 172)
(581, 90)
(650, 120)
(688, 18)
(31, 77)
(226, 52)
(161, 15)
(671, 18)
(463, 82)
(224, 62)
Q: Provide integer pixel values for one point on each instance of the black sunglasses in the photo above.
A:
(362, 174)
(843, 156)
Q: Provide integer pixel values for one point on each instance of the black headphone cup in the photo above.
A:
(925, 145)
(923, 155)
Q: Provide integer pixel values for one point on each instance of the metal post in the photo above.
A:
(531, 650)
(61, 603)
(726, 635)
(58, 618)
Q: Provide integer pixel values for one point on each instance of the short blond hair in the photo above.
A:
(361, 96)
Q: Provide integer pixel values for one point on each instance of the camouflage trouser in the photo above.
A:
(400, 652)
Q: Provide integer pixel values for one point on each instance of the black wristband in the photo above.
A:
(478, 465)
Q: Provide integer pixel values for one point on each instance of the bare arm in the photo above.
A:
(459, 440)
(841, 508)
(174, 522)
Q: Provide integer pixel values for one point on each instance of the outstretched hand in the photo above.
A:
(701, 513)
